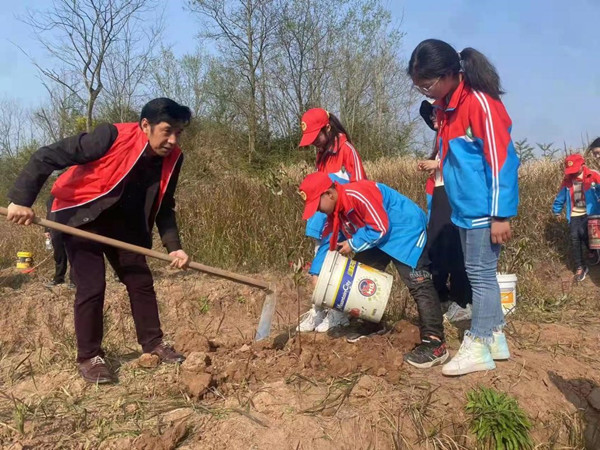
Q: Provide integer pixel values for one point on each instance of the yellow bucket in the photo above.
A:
(24, 260)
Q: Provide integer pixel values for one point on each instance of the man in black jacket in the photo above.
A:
(121, 181)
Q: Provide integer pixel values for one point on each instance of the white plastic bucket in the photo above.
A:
(352, 287)
(508, 291)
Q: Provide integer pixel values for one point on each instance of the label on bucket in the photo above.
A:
(507, 298)
(349, 286)
(341, 296)
(367, 287)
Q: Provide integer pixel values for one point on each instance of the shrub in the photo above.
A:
(497, 420)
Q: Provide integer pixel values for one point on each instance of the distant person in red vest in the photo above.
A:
(121, 181)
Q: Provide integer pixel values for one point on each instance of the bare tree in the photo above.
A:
(126, 68)
(15, 129)
(61, 115)
(243, 30)
(80, 34)
(304, 55)
(182, 79)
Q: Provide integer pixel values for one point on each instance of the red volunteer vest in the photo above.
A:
(85, 183)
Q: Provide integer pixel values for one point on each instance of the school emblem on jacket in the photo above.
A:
(367, 287)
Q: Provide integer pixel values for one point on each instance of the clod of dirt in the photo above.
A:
(594, 398)
(167, 441)
(244, 348)
(196, 362)
(381, 372)
(366, 387)
(306, 357)
(188, 341)
(148, 361)
(196, 384)
(407, 332)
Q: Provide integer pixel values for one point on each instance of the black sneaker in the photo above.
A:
(53, 283)
(594, 257)
(427, 354)
(367, 330)
(580, 273)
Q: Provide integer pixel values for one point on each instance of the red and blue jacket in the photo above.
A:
(591, 190)
(429, 188)
(342, 160)
(375, 215)
(344, 164)
(478, 159)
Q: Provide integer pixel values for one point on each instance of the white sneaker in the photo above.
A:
(472, 356)
(311, 319)
(499, 348)
(457, 314)
(333, 319)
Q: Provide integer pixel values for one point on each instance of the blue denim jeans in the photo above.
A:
(481, 263)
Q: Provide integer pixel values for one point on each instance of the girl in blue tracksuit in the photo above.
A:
(480, 167)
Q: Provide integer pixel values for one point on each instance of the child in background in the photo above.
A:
(578, 192)
(443, 240)
(336, 156)
(480, 169)
(594, 148)
(382, 225)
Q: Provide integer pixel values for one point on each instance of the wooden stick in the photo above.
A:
(145, 251)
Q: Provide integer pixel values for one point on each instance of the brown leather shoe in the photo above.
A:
(167, 354)
(94, 370)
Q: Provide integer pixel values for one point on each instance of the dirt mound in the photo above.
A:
(312, 391)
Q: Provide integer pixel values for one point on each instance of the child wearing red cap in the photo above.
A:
(383, 226)
(578, 192)
(337, 157)
(335, 152)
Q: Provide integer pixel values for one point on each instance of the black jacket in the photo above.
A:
(87, 147)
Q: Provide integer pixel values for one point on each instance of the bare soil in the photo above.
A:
(313, 391)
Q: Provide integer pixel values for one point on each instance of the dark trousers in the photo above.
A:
(88, 271)
(445, 252)
(60, 256)
(578, 228)
(419, 284)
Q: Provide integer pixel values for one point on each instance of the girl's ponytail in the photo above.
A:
(480, 73)
(433, 58)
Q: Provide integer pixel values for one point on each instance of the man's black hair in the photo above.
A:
(165, 110)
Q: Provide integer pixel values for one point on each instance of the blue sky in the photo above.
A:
(547, 54)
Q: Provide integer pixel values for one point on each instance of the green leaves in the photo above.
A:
(497, 420)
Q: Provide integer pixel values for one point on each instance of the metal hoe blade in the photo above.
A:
(264, 324)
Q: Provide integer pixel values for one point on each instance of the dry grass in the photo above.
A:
(252, 223)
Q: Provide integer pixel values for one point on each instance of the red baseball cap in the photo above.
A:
(573, 164)
(313, 121)
(311, 189)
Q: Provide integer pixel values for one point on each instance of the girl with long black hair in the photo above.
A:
(479, 165)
